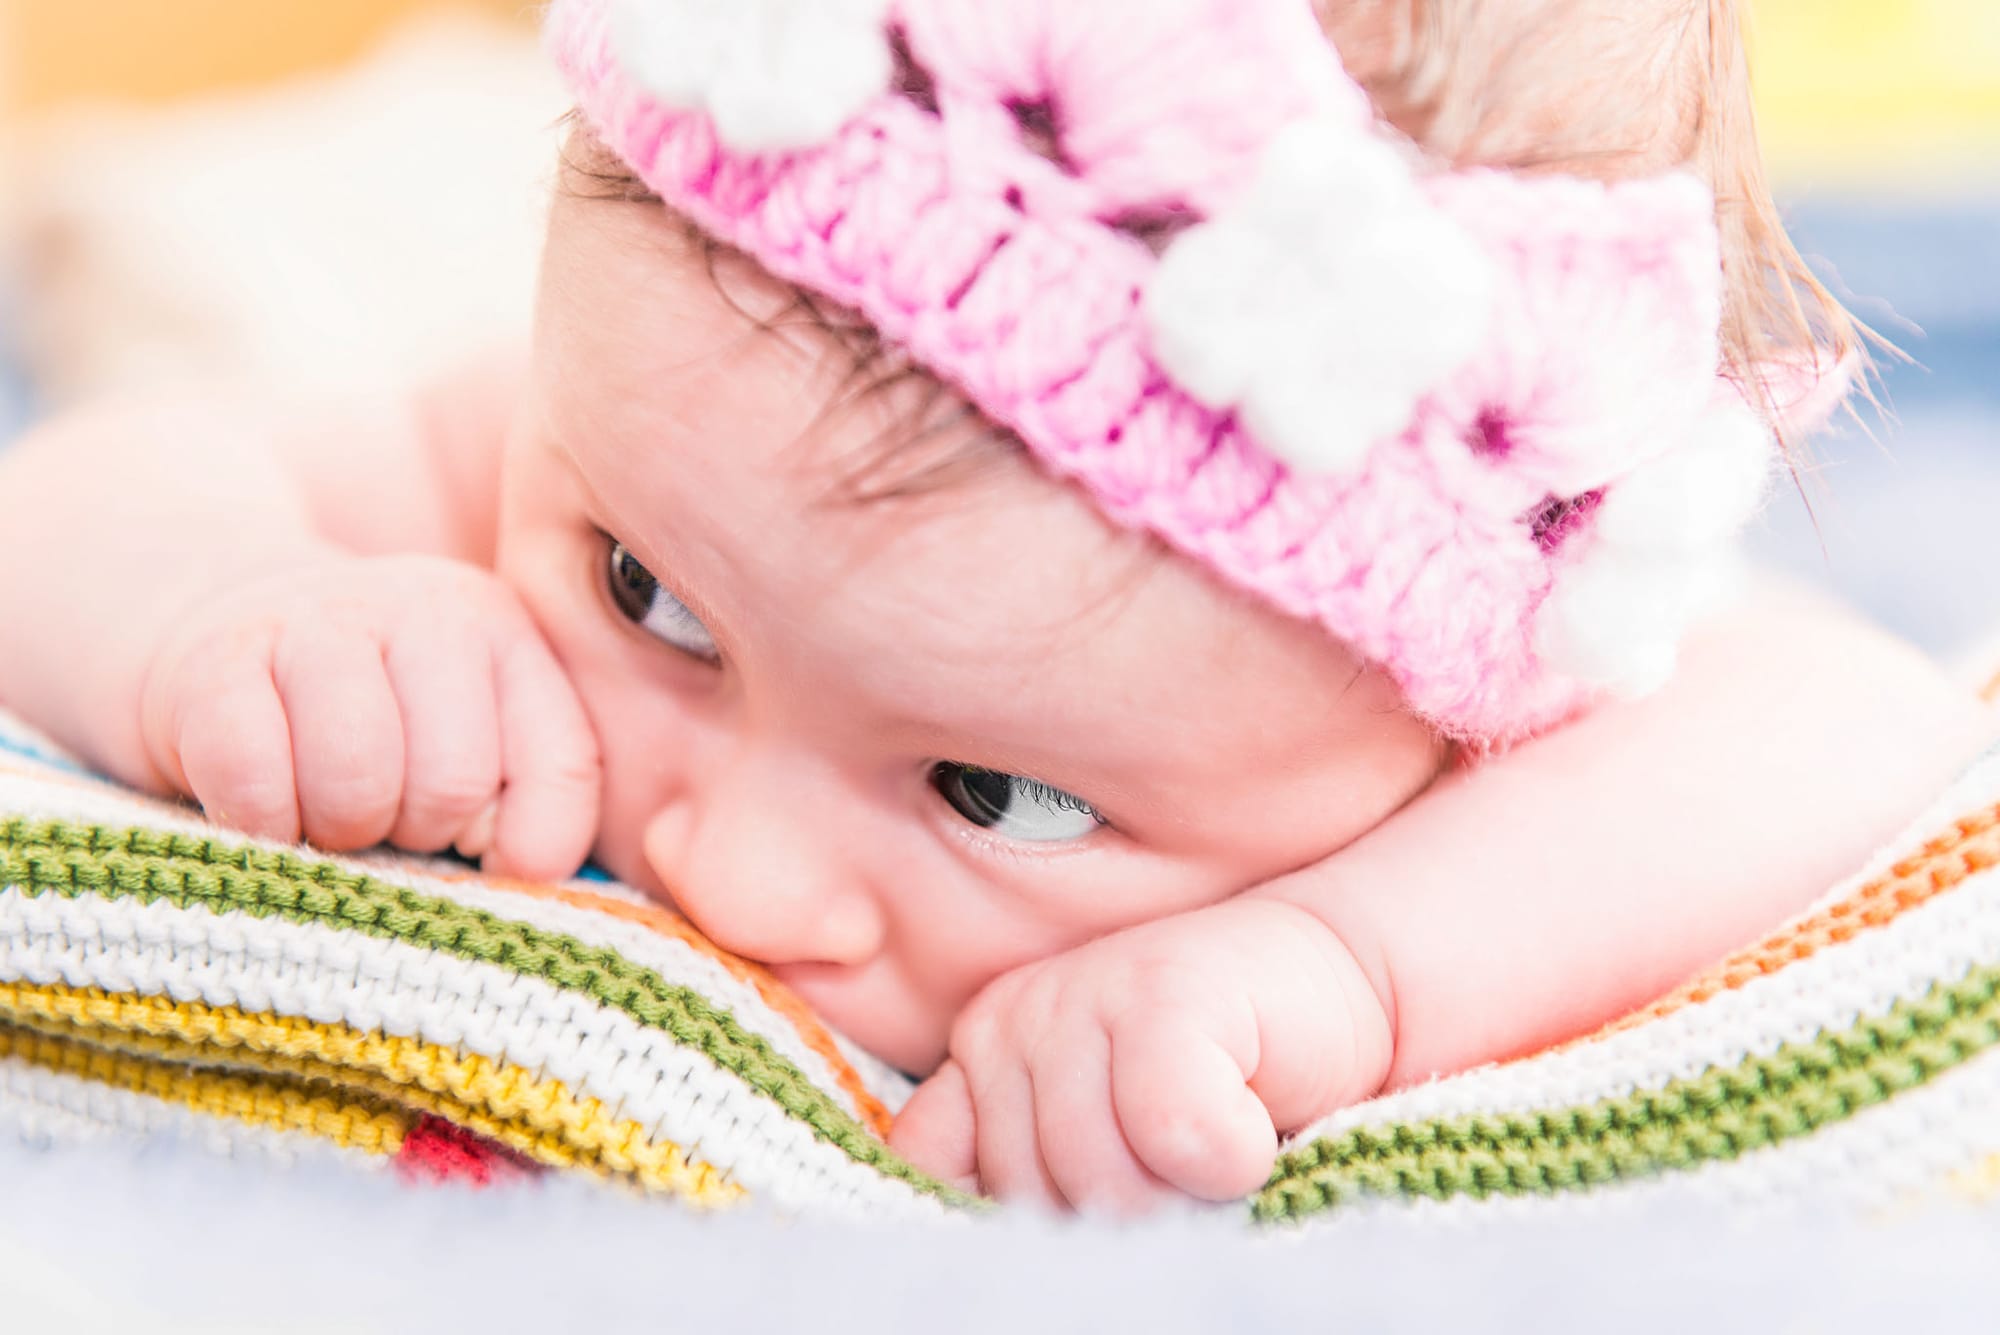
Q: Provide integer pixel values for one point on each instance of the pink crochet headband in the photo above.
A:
(1471, 422)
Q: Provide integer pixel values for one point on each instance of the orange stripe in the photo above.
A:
(1972, 845)
(1990, 692)
(773, 993)
(27, 767)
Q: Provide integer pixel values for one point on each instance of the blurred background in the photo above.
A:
(316, 190)
(320, 189)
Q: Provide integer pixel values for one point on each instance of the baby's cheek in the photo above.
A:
(881, 1008)
(904, 1010)
(645, 752)
(902, 1005)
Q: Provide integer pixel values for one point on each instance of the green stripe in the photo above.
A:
(1711, 1118)
(55, 857)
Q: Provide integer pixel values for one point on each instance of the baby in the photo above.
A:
(1139, 577)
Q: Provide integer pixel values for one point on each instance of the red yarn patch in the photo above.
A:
(439, 1151)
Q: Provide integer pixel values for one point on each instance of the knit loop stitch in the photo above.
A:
(1169, 247)
(163, 984)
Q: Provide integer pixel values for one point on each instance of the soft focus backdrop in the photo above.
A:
(1882, 121)
(319, 190)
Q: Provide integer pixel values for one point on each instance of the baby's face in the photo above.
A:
(892, 748)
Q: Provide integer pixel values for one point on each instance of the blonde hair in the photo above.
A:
(1608, 88)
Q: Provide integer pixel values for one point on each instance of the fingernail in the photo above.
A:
(477, 836)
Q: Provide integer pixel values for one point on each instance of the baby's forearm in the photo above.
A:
(121, 518)
(1546, 891)
(116, 519)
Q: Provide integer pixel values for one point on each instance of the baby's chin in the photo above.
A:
(861, 1006)
(864, 1005)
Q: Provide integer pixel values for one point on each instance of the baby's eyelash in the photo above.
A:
(1053, 797)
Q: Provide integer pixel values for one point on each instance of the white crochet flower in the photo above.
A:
(1324, 304)
(1698, 493)
(1659, 554)
(1616, 621)
(771, 74)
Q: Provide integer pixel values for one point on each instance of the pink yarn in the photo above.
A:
(1009, 267)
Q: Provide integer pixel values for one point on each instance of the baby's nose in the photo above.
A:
(761, 887)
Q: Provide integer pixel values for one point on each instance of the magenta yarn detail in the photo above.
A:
(1002, 267)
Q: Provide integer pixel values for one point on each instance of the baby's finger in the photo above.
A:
(443, 679)
(233, 746)
(347, 734)
(549, 766)
(1187, 1112)
(1082, 1143)
(935, 1129)
(1010, 1152)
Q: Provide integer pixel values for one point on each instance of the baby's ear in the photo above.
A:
(1803, 391)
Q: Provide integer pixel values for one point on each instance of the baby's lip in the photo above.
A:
(868, 1007)
(822, 987)
(805, 978)
(643, 879)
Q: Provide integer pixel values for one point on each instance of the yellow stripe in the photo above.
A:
(277, 1102)
(540, 1118)
(1980, 1182)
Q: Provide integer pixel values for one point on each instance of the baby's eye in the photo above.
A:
(1024, 809)
(645, 601)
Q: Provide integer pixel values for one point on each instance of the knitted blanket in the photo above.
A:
(162, 982)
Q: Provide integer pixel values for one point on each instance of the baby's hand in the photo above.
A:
(1164, 1059)
(362, 700)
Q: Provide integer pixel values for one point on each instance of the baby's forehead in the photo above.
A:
(702, 398)
(919, 434)
(883, 547)
(844, 419)
(859, 507)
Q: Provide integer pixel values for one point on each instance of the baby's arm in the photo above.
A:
(1514, 904)
(234, 598)
(1539, 895)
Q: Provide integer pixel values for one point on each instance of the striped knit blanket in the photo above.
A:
(162, 983)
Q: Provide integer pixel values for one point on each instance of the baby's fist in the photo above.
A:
(362, 700)
(1163, 1060)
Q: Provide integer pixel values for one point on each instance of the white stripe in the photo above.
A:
(879, 1078)
(331, 976)
(1903, 1148)
(675, 961)
(40, 798)
(15, 732)
(1827, 991)
(1898, 1154)
(37, 795)
(41, 1108)
(1976, 791)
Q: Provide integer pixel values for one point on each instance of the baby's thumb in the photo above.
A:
(936, 1129)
